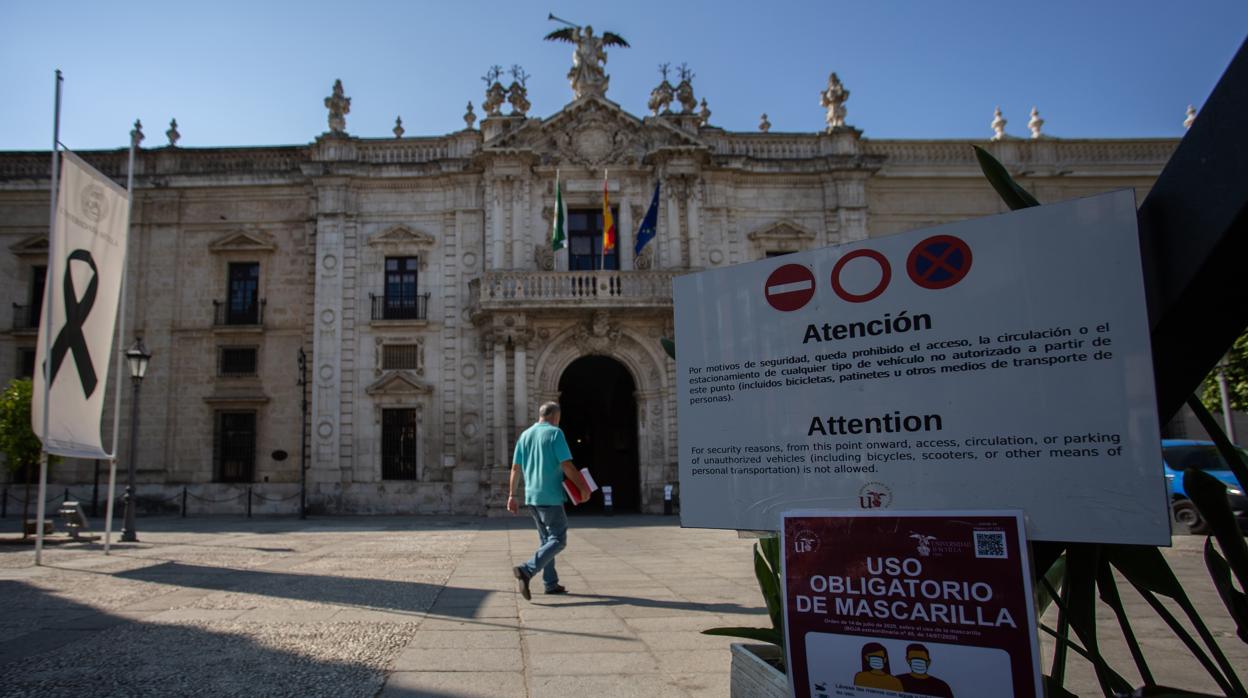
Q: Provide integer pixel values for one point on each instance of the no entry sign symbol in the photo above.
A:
(790, 287)
(939, 262)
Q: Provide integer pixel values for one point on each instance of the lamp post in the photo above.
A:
(137, 357)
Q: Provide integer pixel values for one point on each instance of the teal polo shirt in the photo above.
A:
(539, 452)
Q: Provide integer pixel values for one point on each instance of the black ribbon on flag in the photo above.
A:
(70, 338)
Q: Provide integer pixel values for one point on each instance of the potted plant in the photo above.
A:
(758, 667)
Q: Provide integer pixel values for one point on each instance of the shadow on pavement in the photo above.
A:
(612, 600)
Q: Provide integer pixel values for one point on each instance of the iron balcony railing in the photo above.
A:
(404, 307)
(226, 314)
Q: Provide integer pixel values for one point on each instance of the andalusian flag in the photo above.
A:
(558, 231)
(608, 223)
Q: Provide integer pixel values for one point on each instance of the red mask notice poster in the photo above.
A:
(909, 604)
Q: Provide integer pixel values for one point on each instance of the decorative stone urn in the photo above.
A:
(753, 675)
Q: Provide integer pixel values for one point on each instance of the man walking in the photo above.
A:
(542, 457)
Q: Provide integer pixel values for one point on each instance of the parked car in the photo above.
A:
(1181, 454)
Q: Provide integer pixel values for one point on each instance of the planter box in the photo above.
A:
(753, 676)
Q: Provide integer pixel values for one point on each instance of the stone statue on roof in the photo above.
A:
(588, 75)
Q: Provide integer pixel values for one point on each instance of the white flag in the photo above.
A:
(85, 269)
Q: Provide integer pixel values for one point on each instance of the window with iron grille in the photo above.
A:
(26, 363)
(234, 446)
(398, 444)
(400, 357)
(236, 361)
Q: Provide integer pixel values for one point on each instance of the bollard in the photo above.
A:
(667, 499)
(249, 502)
(184, 501)
(608, 507)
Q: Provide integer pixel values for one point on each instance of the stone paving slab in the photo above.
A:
(414, 606)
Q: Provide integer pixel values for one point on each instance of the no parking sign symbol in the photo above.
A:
(939, 262)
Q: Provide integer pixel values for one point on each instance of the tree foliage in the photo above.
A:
(1236, 379)
(18, 442)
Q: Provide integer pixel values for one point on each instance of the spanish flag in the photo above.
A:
(608, 223)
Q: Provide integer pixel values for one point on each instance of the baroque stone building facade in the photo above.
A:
(416, 276)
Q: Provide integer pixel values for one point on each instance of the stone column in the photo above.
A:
(332, 211)
(624, 232)
(693, 200)
(519, 229)
(496, 227)
(671, 236)
(521, 379)
(500, 400)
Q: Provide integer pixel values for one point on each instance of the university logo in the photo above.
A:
(924, 543)
(805, 541)
(92, 202)
(875, 495)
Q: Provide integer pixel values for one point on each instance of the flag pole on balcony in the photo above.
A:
(558, 230)
(608, 223)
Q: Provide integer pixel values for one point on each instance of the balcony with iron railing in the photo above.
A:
(238, 315)
(538, 290)
(26, 317)
(404, 308)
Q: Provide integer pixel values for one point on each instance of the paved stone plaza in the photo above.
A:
(417, 606)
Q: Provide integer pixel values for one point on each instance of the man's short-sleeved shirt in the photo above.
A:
(539, 451)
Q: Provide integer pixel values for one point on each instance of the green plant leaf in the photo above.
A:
(1236, 601)
(1168, 692)
(1209, 495)
(1010, 192)
(1108, 589)
(668, 346)
(768, 635)
(768, 583)
(1082, 562)
(1053, 689)
(1184, 636)
(1145, 566)
(1234, 459)
(1055, 576)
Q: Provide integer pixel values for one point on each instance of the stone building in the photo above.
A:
(416, 276)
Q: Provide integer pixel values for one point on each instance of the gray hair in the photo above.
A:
(548, 409)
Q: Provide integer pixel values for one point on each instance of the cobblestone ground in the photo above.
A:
(415, 606)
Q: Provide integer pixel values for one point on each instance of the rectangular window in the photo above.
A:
(402, 301)
(26, 362)
(778, 253)
(236, 361)
(32, 314)
(242, 307)
(585, 241)
(398, 444)
(400, 357)
(235, 446)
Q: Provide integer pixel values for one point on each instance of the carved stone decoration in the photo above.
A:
(469, 117)
(998, 125)
(1191, 117)
(704, 114)
(173, 134)
(599, 336)
(544, 256)
(588, 75)
(684, 91)
(339, 105)
(661, 96)
(517, 93)
(833, 99)
(763, 124)
(495, 93)
(136, 135)
(595, 136)
(398, 127)
(1035, 124)
(645, 260)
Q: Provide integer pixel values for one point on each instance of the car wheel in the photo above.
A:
(1186, 513)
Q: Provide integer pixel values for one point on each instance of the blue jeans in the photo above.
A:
(552, 532)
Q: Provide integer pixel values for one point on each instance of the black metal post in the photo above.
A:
(130, 534)
(184, 501)
(4, 506)
(249, 502)
(95, 491)
(303, 434)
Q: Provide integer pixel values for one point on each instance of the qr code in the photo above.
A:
(990, 544)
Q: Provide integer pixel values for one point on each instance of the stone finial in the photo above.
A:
(469, 117)
(661, 96)
(339, 106)
(136, 135)
(173, 134)
(998, 125)
(1191, 117)
(833, 99)
(1035, 123)
(763, 124)
(684, 91)
(704, 114)
(517, 93)
(398, 127)
(495, 93)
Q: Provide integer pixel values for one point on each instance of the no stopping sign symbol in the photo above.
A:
(790, 287)
(939, 262)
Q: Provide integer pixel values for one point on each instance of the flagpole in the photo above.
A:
(49, 291)
(121, 338)
(603, 242)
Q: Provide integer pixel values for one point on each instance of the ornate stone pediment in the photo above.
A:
(594, 132)
(401, 235)
(242, 241)
(599, 336)
(785, 235)
(398, 384)
(33, 246)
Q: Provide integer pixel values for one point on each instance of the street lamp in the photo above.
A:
(137, 357)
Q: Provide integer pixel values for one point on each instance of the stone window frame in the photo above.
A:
(240, 247)
(782, 236)
(402, 390)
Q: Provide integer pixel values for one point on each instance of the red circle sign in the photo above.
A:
(886, 275)
(939, 262)
(790, 287)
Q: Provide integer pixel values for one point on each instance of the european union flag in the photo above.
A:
(649, 224)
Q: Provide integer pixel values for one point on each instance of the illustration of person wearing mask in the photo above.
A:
(918, 680)
(875, 673)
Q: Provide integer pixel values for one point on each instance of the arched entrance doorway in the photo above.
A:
(599, 418)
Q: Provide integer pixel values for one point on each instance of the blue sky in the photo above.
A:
(256, 73)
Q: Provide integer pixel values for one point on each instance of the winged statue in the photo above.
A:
(589, 58)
